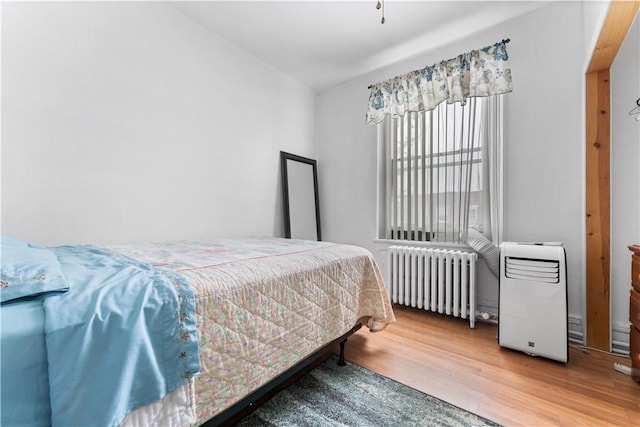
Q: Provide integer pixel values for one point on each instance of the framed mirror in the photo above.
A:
(300, 197)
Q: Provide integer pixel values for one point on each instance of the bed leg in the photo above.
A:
(341, 361)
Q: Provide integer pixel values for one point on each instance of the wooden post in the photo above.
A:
(598, 202)
(619, 18)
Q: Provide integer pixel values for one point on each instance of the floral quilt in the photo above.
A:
(263, 305)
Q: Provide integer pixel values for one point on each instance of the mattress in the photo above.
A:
(262, 306)
(89, 322)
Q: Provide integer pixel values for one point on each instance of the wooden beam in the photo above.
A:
(598, 202)
(619, 18)
(616, 25)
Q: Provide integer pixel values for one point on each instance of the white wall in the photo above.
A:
(543, 150)
(625, 178)
(127, 122)
(595, 13)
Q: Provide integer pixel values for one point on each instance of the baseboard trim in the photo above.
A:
(575, 332)
(619, 335)
(620, 338)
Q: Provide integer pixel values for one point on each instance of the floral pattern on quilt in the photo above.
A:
(263, 305)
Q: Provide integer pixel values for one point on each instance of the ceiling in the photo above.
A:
(325, 43)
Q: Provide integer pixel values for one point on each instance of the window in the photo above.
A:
(435, 175)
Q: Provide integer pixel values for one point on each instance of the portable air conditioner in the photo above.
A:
(533, 299)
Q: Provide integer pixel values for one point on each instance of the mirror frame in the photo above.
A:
(284, 157)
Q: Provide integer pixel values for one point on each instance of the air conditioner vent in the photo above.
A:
(539, 270)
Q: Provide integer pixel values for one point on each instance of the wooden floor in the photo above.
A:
(443, 357)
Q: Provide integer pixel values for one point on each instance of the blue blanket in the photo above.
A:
(123, 336)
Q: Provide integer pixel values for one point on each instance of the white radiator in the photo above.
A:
(440, 280)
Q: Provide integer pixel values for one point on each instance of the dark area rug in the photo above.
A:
(332, 395)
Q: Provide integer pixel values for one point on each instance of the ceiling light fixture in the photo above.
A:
(380, 5)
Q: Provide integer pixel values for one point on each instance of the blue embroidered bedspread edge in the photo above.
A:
(123, 336)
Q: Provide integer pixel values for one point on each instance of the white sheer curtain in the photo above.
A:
(493, 169)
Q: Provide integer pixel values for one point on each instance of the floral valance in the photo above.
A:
(482, 72)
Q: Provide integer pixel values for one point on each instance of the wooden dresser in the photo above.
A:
(634, 312)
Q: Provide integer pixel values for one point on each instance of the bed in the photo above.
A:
(171, 334)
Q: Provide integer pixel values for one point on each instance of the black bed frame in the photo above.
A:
(244, 407)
